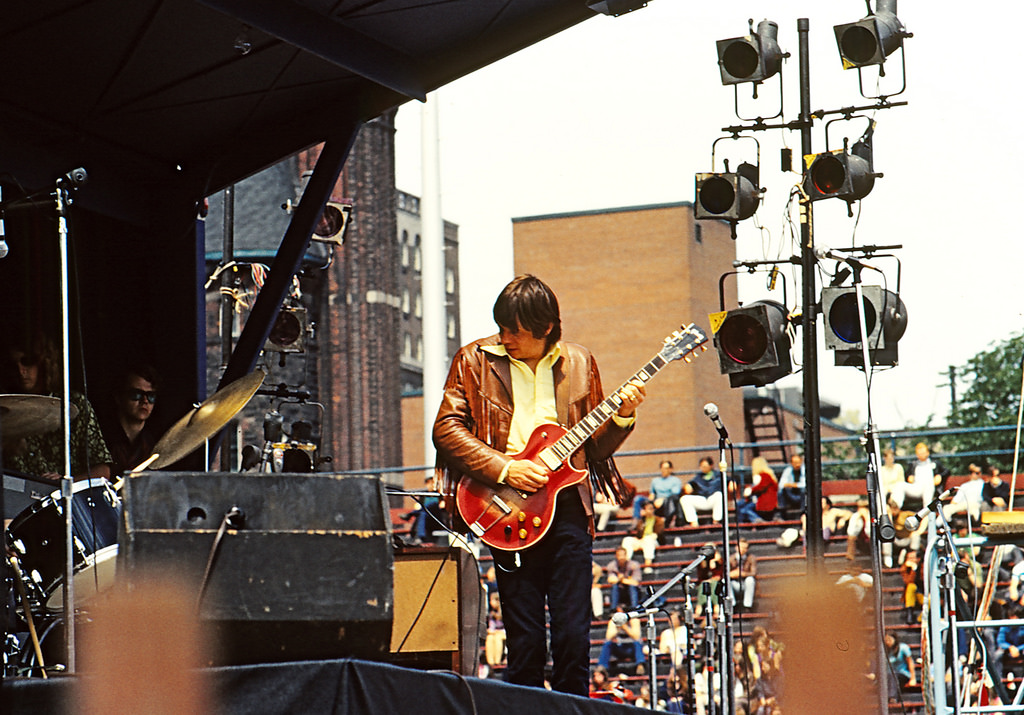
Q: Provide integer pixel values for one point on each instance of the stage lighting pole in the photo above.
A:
(809, 321)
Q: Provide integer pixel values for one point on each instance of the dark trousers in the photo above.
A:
(555, 572)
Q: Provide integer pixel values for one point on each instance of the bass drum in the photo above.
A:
(36, 535)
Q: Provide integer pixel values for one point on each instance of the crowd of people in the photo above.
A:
(620, 669)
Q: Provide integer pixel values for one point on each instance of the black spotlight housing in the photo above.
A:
(846, 174)
(885, 321)
(288, 334)
(753, 344)
(870, 40)
(751, 58)
(733, 196)
(331, 226)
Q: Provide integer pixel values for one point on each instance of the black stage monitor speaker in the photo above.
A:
(303, 571)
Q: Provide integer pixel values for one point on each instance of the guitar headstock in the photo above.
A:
(683, 342)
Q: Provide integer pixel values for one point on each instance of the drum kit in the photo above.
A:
(35, 547)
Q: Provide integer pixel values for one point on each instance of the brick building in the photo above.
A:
(625, 279)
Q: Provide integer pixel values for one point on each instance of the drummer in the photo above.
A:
(34, 367)
(128, 430)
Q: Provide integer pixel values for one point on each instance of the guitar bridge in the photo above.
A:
(479, 530)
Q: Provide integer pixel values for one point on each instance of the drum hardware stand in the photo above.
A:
(19, 584)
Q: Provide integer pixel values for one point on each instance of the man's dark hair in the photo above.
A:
(527, 302)
(145, 371)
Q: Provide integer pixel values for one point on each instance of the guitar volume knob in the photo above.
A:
(522, 533)
(536, 521)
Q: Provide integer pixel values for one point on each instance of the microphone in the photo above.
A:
(620, 618)
(914, 520)
(711, 410)
(822, 253)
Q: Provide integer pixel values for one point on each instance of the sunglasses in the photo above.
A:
(140, 395)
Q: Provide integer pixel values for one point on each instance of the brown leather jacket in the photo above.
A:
(472, 425)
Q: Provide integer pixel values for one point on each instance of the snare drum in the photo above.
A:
(37, 536)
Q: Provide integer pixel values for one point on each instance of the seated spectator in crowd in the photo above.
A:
(766, 694)
(968, 497)
(743, 676)
(922, 477)
(793, 485)
(901, 662)
(429, 514)
(904, 538)
(833, 519)
(603, 687)
(858, 531)
(604, 507)
(624, 577)
(703, 493)
(672, 640)
(857, 580)
(1009, 655)
(890, 473)
(623, 645)
(596, 592)
(665, 491)
(675, 692)
(743, 575)
(913, 587)
(645, 534)
(710, 573)
(995, 495)
(490, 580)
(494, 645)
(764, 488)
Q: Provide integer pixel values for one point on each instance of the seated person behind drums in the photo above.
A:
(129, 434)
(35, 369)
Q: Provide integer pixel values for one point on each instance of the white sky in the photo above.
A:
(623, 111)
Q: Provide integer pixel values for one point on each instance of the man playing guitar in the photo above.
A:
(499, 391)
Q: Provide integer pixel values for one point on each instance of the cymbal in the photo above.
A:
(201, 423)
(27, 415)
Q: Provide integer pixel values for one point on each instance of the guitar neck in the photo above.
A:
(582, 430)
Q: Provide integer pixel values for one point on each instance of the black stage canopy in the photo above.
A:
(164, 102)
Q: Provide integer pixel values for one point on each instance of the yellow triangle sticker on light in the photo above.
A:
(716, 320)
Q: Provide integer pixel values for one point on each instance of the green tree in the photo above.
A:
(991, 398)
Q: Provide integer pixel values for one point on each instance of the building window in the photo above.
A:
(419, 305)
(417, 256)
(419, 349)
(405, 301)
(449, 281)
(698, 232)
(451, 327)
(407, 345)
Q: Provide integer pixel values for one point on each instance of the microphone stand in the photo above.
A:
(66, 480)
(649, 608)
(882, 527)
(709, 648)
(725, 599)
(691, 668)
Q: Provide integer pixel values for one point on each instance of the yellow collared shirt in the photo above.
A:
(533, 396)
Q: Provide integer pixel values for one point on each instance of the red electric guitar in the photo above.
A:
(510, 519)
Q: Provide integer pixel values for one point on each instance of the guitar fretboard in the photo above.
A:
(582, 430)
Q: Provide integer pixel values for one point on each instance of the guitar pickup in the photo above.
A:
(549, 459)
(495, 499)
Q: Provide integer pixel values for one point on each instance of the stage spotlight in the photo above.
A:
(331, 226)
(751, 58)
(885, 321)
(753, 344)
(733, 196)
(844, 174)
(871, 40)
(288, 334)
